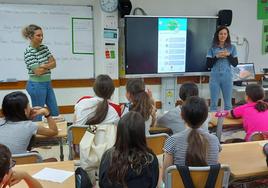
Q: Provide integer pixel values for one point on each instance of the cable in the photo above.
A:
(139, 9)
(246, 50)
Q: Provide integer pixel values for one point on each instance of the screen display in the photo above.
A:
(243, 72)
(163, 45)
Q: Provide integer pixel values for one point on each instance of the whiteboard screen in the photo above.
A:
(68, 33)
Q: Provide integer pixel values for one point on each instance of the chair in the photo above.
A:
(156, 142)
(75, 134)
(258, 136)
(27, 158)
(199, 176)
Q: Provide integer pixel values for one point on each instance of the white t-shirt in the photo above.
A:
(86, 107)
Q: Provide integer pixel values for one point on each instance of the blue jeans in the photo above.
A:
(42, 94)
(220, 81)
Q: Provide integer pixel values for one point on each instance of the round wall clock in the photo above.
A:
(109, 5)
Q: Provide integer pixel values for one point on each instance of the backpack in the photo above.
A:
(81, 179)
(188, 182)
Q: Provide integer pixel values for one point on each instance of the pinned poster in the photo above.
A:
(262, 10)
(265, 37)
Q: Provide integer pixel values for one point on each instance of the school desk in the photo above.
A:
(157, 130)
(36, 167)
(246, 160)
(226, 123)
(62, 133)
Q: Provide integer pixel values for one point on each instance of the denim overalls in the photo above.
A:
(221, 78)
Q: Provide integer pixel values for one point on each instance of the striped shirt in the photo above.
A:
(34, 57)
(177, 145)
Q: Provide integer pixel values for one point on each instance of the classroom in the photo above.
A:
(88, 39)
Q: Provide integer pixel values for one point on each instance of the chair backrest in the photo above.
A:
(75, 134)
(156, 142)
(199, 176)
(27, 158)
(258, 136)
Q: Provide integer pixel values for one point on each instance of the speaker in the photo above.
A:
(225, 17)
(124, 7)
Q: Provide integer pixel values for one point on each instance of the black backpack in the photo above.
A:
(187, 180)
(81, 179)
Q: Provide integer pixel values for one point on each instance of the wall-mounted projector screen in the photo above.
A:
(167, 46)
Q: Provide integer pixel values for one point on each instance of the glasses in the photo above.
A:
(12, 164)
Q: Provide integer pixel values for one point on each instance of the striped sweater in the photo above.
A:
(34, 57)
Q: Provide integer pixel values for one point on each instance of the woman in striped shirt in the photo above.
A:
(39, 61)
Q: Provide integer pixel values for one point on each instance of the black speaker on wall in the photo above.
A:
(124, 7)
(225, 17)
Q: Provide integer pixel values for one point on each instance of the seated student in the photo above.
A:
(17, 127)
(8, 177)
(172, 119)
(140, 101)
(98, 109)
(254, 113)
(193, 146)
(130, 163)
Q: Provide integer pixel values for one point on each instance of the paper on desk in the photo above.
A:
(53, 175)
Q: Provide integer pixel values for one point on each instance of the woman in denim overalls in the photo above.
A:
(220, 57)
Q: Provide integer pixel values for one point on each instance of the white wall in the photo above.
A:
(244, 24)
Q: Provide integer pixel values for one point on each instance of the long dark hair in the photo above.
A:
(141, 101)
(103, 88)
(216, 41)
(256, 93)
(130, 149)
(188, 89)
(5, 156)
(194, 112)
(14, 105)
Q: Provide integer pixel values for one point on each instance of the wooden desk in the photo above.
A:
(62, 133)
(34, 168)
(227, 122)
(223, 123)
(245, 159)
(156, 130)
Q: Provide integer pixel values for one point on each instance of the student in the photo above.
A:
(193, 146)
(140, 101)
(254, 113)
(172, 119)
(8, 177)
(220, 57)
(17, 128)
(130, 163)
(39, 62)
(98, 109)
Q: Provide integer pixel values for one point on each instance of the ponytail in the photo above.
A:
(256, 93)
(261, 106)
(194, 112)
(143, 104)
(103, 88)
(101, 112)
(197, 150)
